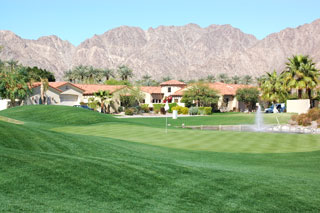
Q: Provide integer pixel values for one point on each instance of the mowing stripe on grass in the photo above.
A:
(10, 120)
(224, 141)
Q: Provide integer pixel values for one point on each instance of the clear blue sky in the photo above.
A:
(76, 20)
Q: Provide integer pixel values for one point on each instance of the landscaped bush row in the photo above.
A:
(305, 119)
(159, 108)
(181, 110)
(200, 110)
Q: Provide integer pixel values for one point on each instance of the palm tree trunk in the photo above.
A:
(299, 93)
(309, 93)
(13, 102)
(102, 107)
(42, 92)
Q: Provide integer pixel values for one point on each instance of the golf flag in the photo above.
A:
(166, 107)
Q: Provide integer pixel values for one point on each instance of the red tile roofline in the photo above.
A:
(35, 86)
(70, 84)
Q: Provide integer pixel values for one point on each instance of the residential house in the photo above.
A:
(58, 93)
(157, 94)
(69, 94)
(227, 92)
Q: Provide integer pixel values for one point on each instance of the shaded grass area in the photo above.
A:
(47, 171)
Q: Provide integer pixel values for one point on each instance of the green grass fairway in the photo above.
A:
(65, 159)
(224, 141)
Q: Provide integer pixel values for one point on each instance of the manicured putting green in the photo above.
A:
(224, 141)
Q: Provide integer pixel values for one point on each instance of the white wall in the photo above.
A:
(75, 90)
(164, 90)
(4, 104)
(298, 106)
(50, 93)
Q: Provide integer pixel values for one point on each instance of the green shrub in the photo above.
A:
(181, 110)
(145, 108)
(201, 111)
(207, 110)
(193, 110)
(157, 107)
(172, 105)
(120, 109)
(185, 110)
(130, 111)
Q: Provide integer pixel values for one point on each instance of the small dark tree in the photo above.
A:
(250, 96)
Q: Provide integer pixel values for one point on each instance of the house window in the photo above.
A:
(144, 101)
(169, 89)
(176, 100)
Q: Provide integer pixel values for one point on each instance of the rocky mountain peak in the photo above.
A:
(182, 52)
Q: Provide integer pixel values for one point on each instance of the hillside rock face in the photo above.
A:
(181, 52)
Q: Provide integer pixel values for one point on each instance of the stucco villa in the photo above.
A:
(69, 94)
(175, 89)
(166, 89)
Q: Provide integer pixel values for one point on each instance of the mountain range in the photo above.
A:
(181, 52)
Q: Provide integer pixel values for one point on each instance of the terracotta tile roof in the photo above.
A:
(55, 85)
(173, 83)
(179, 92)
(37, 84)
(151, 89)
(226, 89)
(221, 88)
(89, 89)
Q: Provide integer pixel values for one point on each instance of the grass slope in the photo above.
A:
(61, 115)
(47, 171)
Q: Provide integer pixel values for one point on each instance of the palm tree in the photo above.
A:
(93, 74)
(223, 78)
(125, 72)
(107, 73)
(12, 64)
(273, 89)
(104, 96)
(168, 78)
(69, 75)
(300, 73)
(260, 79)
(247, 79)
(146, 80)
(235, 79)
(81, 73)
(211, 78)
